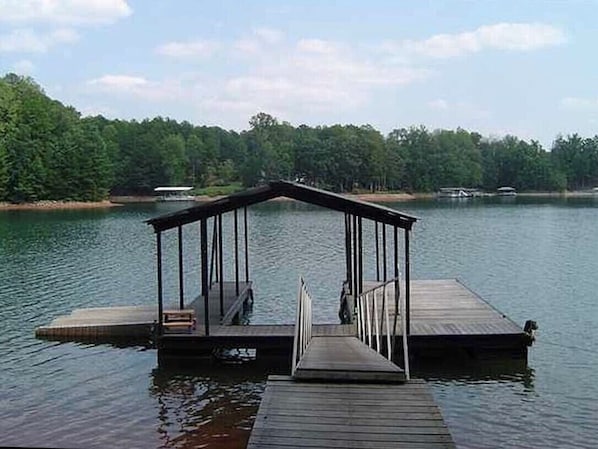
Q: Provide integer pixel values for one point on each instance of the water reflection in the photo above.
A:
(213, 406)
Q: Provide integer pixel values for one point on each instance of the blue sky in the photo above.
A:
(497, 67)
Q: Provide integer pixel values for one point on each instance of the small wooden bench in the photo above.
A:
(178, 321)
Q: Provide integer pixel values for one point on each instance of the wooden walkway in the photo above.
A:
(340, 415)
(345, 358)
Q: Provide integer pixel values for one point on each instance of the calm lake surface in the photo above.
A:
(531, 259)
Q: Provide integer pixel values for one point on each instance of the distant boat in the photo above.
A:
(506, 191)
(174, 194)
(455, 192)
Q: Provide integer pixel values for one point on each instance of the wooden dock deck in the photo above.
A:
(445, 316)
(348, 415)
(137, 322)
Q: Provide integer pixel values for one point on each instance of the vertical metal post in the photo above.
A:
(213, 256)
(221, 266)
(204, 271)
(181, 280)
(160, 289)
(355, 260)
(360, 255)
(236, 220)
(384, 251)
(246, 245)
(396, 251)
(396, 286)
(407, 284)
(377, 254)
(348, 277)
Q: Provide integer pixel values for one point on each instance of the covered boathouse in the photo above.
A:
(438, 315)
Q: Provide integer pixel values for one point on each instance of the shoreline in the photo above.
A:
(117, 201)
(59, 205)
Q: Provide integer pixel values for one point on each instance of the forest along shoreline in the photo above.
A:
(116, 201)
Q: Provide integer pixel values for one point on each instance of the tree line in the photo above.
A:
(48, 151)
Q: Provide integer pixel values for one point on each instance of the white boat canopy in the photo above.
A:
(172, 189)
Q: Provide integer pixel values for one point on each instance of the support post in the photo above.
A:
(360, 255)
(220, 266)
(407, 284)
(384, 251)
(377, 254)
(236, 224)
(246, 245)
(355, 260)
(160, 288)
(181, 280)
(348, 277)
(213, 256)
(204, 272)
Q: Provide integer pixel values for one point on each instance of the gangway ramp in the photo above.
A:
(345, 359)
(344, 394)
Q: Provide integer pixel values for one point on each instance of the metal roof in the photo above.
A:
(287, 189)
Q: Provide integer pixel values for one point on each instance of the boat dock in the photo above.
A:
(446, 317)
(350, 382)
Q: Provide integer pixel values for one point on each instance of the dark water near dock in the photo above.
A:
(531, 259)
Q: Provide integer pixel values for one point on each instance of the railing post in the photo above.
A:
(388, 344)
(376, 322)
(369, 321)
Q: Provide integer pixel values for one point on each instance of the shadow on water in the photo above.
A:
(209, 405)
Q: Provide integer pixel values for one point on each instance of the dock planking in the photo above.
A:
(355, 415)
(345, 358)
(137, 322)
(444, 314)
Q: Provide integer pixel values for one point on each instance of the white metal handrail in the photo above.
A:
(373, 320)
(303, 324)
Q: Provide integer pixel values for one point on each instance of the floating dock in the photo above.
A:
(446, 317)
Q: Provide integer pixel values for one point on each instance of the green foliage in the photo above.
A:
(47, 151)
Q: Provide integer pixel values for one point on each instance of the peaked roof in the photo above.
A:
(287, 189)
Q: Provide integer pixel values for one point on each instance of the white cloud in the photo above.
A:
(311, 74)
(29, 41)
(501, 36)
(140, 87)
(268, 35)
(577, 103)
(190, 49)
(317, 46)
(261, 40)
(23, 67)
(438, 104)
(69, 12)
(119, 82)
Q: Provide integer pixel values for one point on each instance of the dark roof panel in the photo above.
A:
(288, 189)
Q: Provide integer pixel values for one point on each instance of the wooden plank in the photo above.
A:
(345, 358)
(325, 415)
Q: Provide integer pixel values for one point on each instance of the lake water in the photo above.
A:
(531, 259)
